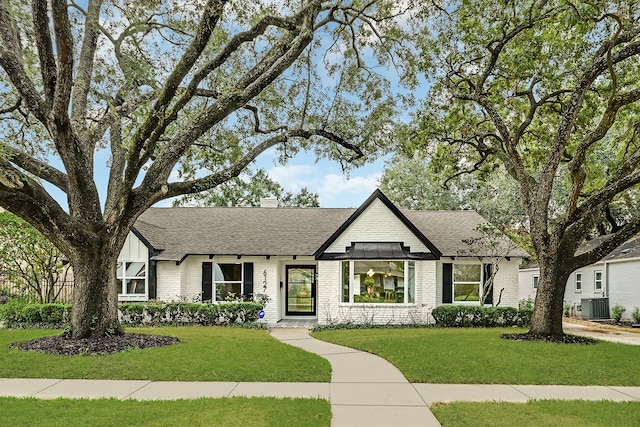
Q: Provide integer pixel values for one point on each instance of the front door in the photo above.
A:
(301, 290)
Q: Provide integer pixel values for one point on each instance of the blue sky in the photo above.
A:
(335, 189)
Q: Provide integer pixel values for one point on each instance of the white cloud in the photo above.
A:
(340, 191)
(294, 177)
(334, 189)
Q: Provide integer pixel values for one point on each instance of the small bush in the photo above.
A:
(472, 316)
(635, 314)
(617, 311)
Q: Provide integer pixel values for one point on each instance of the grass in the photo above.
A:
(578, 413)
(204, 354)
(480, 356)
(236, 411)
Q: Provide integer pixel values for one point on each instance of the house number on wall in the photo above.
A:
(264, 282)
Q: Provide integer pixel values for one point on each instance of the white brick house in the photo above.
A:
(375, 264)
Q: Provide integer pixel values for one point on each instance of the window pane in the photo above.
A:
(412, 282)
(135, 269)
(228, 291)
(465, 292)
(535, 282)
(379, 282)
(228, 272)
(135, 286)
(466, 273)
(345, 281)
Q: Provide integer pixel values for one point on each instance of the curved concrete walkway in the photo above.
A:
(365, 390)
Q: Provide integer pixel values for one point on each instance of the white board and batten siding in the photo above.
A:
(377, 224)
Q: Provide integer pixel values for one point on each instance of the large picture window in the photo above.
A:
(227, 281)
(467, 279)
(132, 278)
(378, 281)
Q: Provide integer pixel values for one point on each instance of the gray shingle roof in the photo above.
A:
(178, 232)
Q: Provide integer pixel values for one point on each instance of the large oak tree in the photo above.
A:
(551, 91)
(168, 90)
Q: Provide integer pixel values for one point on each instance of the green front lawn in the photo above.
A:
(235, 411)
(204, 354)
(480, 356)
(578, 413)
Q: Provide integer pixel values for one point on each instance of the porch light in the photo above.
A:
(370, 273)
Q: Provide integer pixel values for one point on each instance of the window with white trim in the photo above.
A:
(467, 280)
(132, 278)
(378, 281)
(597, 280)
(578, 282)
(227, 281)
(536, 281)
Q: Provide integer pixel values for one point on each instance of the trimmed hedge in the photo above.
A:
(189, 313)
(457, 316)
(18, 313)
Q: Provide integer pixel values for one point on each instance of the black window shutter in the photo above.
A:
(207, 281)
(447, 283)
(488, 270)
(248, 281)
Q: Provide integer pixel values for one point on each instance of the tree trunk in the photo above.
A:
(547, 312)
(95, 294)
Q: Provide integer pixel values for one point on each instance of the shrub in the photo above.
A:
(635, 314)
(178, 313)
(617, 311)
(473, 316)
(19, 313)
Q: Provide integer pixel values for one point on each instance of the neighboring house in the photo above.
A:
(592, 290)
(375, 264)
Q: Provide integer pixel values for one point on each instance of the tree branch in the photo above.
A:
(11, 59)
(45, 49)
(85, 65)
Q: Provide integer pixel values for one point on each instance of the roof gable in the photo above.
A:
(378, 220)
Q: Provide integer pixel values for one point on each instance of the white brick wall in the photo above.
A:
(507, 278)
(168, 281)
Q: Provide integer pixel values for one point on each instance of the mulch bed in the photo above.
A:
(561, 339)
(63, 345)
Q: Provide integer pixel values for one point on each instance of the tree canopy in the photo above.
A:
(550, 91)
(247, 190)
(179, 97)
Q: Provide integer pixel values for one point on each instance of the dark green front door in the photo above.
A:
(301, 290)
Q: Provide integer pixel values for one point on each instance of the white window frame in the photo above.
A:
(123, 295)
(536, 282)
(480, 284)
(352, 282)
(577, 283)
(597, 281)
(215, 282)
